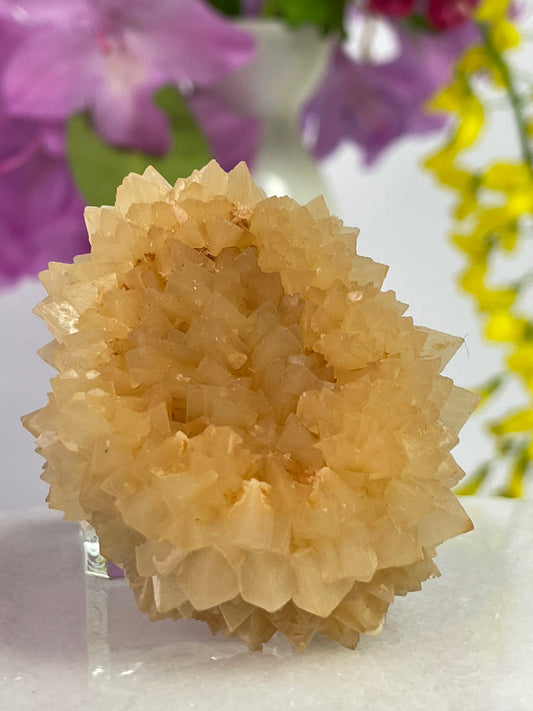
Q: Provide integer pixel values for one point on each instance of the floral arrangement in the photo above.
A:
(121, 83)
(493, 219)
(259, 435)
(90, 90)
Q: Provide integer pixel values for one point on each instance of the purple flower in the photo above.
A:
(41, 212)
(109, 56)
(232, 137)
(376, 104)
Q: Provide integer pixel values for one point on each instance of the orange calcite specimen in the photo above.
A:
(258, 434)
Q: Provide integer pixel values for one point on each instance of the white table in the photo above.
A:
(464, 643)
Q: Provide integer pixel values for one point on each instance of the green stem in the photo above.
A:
(514, 96)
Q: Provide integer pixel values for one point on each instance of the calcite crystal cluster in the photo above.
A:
(258, 433)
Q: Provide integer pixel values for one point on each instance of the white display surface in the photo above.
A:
(464, 642)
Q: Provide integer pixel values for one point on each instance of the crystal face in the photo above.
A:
(259, 435)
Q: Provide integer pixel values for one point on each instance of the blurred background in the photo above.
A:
(335, 98)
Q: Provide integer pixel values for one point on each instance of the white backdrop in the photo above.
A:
(404, 220)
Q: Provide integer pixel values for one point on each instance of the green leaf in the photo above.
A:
(99, 167)
(328, 15)
(474, 482)
(490, 386)
(515, 486)
(227, 7)
(507, 445)
(418, 23)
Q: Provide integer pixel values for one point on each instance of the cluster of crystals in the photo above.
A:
(258, 434)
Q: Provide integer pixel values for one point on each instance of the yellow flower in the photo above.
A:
(503, 326)
(452, 97)
(507, 236)
(492, 10)
(442, 164)
(489, 212)
(504, 35)
(472, 245)
(474, 59)
(493, 219)
(521, 361)
(468, 199)
(517, 422)
(508, 177)
(471, 122)
(473, 281)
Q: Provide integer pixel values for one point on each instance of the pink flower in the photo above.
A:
(41, 212)
(391, 8)
(441, 14)
(444, 14)
(108, 56)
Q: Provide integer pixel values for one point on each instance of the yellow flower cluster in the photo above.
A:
(493, 210)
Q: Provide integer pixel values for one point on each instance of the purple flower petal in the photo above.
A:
(132, 120)
(232, 137)
(51, 75)
(31, 13)
(109, 56)
(376, 104)
(41, 212)
(187, 42)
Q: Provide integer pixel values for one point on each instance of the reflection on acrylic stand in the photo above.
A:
(125, 649)
(101, 577)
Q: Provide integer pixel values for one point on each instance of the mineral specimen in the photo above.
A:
(258, 434)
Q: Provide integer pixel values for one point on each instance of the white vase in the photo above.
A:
(273, 88)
